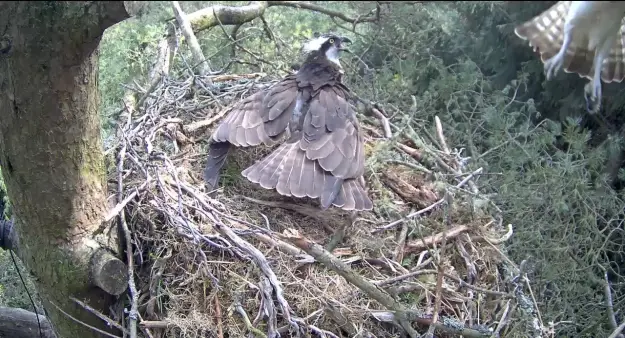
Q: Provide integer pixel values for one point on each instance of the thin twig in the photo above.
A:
(220, 329)
(618, 331)
(422, 243)
(246, 321)
(83, 323)
(106, 319)
(424, 210)
(502, 321)
(134, 295)
(441, 137)
(346, 272)
(438, 257)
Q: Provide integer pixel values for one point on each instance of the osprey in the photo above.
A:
(323, 156)
(583, 37)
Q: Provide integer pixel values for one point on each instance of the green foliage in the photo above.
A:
(126, 51)
(462, 63)
(4, 199)
(12, 293)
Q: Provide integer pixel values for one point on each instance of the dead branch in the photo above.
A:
(234, 77)
(98, 314)
(448, 325)
(283, 246)
(414, 153)
(429, 208)
(421, 197)
(319, 9)
(198, 57)
(220, 326)
(236, 15)
(95, 329)
(321, 255)
(125, 231)
(617, 331)
(423, 243)
(156, 324)
(205, 123)
(609, 303)
(401, 314)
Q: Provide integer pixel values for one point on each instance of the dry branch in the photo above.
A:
(429, 208)
(321, 255)
(232, 15)
(448, 326)
(423, 243)
(421, 197)
(400, 313)
(198, 57)
(617, 332)
(133, 315)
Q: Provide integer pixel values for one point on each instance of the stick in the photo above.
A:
(422, 243)
(618, 330)
(346, 272)
(106, 319)
(257, 256)
(194, 46)
(431, 207)
(134, 295)
(82, 323)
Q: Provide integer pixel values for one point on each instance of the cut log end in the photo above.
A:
(109, 273)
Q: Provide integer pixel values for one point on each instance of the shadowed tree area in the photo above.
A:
(497, 198)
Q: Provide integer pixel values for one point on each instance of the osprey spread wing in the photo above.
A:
(323, 156)
(583, 37)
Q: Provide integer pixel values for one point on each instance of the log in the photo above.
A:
(20, 323)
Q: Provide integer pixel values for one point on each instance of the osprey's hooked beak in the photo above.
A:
(343, 41)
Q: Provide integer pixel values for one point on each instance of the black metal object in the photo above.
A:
(6, 227)
(5, 45)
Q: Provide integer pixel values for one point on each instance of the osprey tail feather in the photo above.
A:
(217, 154)
(291, 173)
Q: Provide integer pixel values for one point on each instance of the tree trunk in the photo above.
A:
(51, 149)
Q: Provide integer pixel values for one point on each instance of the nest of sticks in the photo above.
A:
(243, 261)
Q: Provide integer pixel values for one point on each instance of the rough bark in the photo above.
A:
(51, 149)
(227, 15)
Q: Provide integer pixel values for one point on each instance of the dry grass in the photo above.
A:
(197, 278)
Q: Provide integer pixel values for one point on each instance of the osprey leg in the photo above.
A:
(602, 52)
(553, 65)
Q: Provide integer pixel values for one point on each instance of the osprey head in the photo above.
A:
(329, 45)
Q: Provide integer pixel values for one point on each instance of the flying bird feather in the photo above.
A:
(582, 37)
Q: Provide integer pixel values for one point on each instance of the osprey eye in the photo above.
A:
(331, 40)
